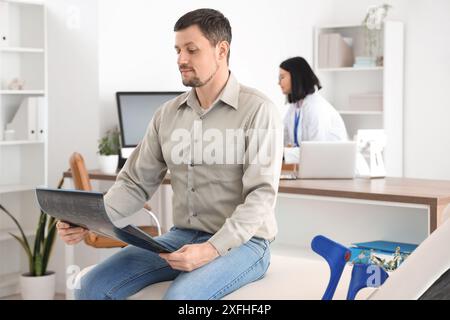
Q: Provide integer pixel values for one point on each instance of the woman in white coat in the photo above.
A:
(310, 116)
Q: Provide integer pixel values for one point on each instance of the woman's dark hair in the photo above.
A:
(304, 81)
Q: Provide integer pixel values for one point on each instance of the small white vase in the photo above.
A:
(38, 288)
(108, 164)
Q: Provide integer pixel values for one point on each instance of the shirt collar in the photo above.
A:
(229, 95)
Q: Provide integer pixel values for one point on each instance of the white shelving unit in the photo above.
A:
(351, 69)
(22, 92)
(22, 50)
(387, 79)
(14, 188)
(19, 142)
(23, 163)
(4, 234)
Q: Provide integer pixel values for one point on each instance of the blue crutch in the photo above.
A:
(337, 255)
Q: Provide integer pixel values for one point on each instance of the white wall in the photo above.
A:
(427, 114)
(427, 80)
(73, 84)
(73, 93)
(136, 43)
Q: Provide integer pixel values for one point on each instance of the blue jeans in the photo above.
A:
(132, 269)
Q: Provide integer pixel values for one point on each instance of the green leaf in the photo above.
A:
(110, 143)
(43, 243)
(38, 266)
(51, 221)
(27, 251)
(48, 246)
(26, 245)
(50, 237)
(44, 228)
(40, 233)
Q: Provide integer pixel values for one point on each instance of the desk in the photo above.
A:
(431, 193)
(434, 194)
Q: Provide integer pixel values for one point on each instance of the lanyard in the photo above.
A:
(296, 125)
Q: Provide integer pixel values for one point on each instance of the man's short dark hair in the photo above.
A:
(212, 23)
(304, 81)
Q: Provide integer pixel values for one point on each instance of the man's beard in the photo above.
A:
(197, 83)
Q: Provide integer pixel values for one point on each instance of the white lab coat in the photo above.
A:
(319, 122)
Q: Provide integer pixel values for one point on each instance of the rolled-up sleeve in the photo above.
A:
(140, 177)
(262, 168)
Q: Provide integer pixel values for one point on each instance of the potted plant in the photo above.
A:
(38, 283)
(108, 150)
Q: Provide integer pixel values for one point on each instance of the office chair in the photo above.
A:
(82, 181)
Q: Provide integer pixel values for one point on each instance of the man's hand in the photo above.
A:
(191, 257)
(69, 234)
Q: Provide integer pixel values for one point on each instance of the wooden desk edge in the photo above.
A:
(96, 175)
(436, 204)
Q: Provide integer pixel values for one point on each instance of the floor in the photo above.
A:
(59, 296)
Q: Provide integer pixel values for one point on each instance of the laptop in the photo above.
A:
(327, 160)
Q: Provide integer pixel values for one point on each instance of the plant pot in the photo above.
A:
(108, 164)
(38, 288)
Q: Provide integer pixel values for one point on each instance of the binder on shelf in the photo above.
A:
(323, 51)
(4, 24)
(24, 121)
(41, 125)
(29, 121)
(340, 54)
(334, 51)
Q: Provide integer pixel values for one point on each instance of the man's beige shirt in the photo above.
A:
(224, 165)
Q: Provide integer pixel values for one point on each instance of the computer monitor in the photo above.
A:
(136, 109)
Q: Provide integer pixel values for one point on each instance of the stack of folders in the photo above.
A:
(29, 122)
(335, 51)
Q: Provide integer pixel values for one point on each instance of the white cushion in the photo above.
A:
(288, 278)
